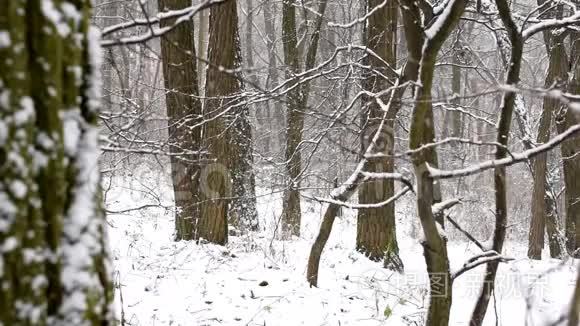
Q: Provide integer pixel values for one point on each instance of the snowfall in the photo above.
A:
(258, 279)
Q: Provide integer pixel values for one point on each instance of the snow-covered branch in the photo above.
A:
(483, 258)
(514, 158)
(180, 16)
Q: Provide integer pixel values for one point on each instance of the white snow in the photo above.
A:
(81, 232)
(434, 28)
(3, 133)
(5, 99)
(72, 132)
(93, 78)
(575, 106)
(26, 113)
(7, 211)
(9, 244)
(70, 11)
(55, 17)
(18, 189)
(163, 282)
(5, 39)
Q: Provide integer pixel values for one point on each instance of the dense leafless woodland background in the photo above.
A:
(245, 123)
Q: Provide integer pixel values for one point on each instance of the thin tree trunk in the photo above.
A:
(410, 73)
(183, 111)
(555, 241)
(421, 133)
(500, 177)
(556, 72)
(542, 202)
(278, 124)
(376, 231)
(291, 214)
(261, 109)
(55, 266)
(456, 121)
(297, 101)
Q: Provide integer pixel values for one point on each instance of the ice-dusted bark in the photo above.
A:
(183, 111)
(541, 199)
(376, 231)
(54, 264)
(227, 134)
(421, 133)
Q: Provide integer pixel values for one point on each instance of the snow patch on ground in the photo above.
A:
(260, 280)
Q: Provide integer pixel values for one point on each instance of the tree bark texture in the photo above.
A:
(376, 230)
(227, 134)
(54, 264)
(184, 112)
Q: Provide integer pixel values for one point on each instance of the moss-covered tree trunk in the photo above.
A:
(54, 264)
(183, 111)
(376, 231)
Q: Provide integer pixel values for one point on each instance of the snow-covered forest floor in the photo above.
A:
(258, 279)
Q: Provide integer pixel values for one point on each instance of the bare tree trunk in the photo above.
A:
(291, 214)
(351, 185)
(456, 121)
(297, 101)
(500, 182)
(376, 234)
(555, 240)
(227, 133)
(421, 133)
(261, 110)
(541, 199)
(183, 110)
(570, 157)
(279, 122)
